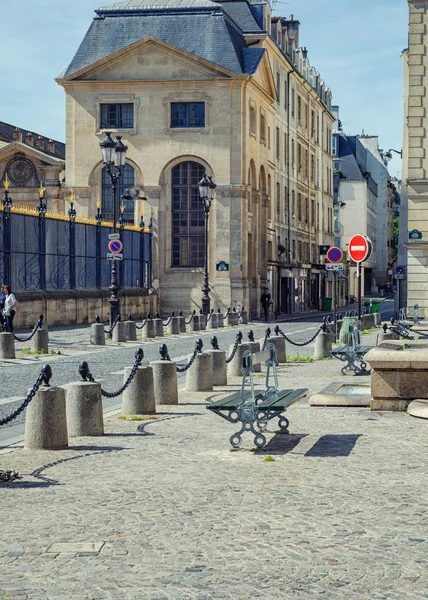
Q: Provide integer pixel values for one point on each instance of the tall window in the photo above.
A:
(117, 116)
(262, 128)
(188, 241)
(126, 181)
(278, 88)
(187, 114)
(253, 121)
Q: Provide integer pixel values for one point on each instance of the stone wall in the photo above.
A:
(73, 307)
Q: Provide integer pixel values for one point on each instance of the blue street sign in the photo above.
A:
(334, 255)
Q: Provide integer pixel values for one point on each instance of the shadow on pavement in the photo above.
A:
(282, 443)
(329, 446)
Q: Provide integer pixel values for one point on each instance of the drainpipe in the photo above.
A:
(288, 166)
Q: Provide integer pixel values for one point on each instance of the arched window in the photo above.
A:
(188, 233)
(126, 181)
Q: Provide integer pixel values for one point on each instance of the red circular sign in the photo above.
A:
(334, 255)
(358, 248)
(115, 246)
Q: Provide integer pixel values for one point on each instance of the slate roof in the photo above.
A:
(6, 135)
(239, 11)
(348, 162)
(199, 27)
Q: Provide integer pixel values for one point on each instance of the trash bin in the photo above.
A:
(348, 322)
(375, 307)
(326, 304)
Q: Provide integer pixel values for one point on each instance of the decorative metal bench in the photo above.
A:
(254, 408)
(351, 353)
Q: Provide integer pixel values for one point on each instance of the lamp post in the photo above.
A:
(206, 193)
(114, 156)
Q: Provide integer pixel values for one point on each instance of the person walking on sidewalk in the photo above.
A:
(265, 301)
(2, 301)
(9, 308)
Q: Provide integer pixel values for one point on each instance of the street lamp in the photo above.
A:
(114, 158)
(206, 193)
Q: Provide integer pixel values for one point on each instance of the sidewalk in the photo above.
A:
(163, 509)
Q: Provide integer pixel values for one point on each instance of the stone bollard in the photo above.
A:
(165, 382)
(148, 331)
(194, 324)
(323, 345)
(158, 327)
(232, 318)
(182, 323)
(98, 335)
(139, 396)
(220, 320)
(40, 341)
(131, 331)
(243, 318)
(212, 323)
(199, 377)
(173, 327)
(7, 345)
(377, 319)
(202, 322)
(119, 332)
(84, 409)
(46, 420)
(219, 366)
(255, 347)
(234, 368)
(279, 342)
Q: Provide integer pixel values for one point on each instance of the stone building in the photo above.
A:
(29, 160)
(415, 156)
(220, 88)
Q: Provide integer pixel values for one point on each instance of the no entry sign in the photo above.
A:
(360, 248)
(334, 255)
(115, 246)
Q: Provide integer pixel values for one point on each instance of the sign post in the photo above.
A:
(360, 249)
(334, 255)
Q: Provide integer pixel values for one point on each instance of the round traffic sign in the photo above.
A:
(334, 255)
(359, 248)
(399, 270)
(115, 246)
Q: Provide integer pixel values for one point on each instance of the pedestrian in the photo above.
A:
(9, 308)
(264, 301)
(2, 301)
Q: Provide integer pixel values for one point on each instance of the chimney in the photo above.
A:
(50, 146)
(29, 139)
(293, 29)
(40, 143)
(17, 135)
(305, 53)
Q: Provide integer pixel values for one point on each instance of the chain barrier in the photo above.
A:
(198, 349)
(144, 322)
(191, 318)
(44, 377)
(300, 344)
(87, 375)
(227, 312)
(235, 347)
(169, 320)
(267, 336)
(37, 326)
(209, 315)
(108, 331)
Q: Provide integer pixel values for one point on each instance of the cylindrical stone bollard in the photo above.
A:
(232, 318)
(199, 378)
(243, 317)
(339, 324)
(7, 345)
(46, 420)
(148, 330)
(165, 382)
(40, 341)
(194, 324)
(98, 335)
(220, 320)
(219, 367)
(279, 342)
(202, 322)
(84, 409)
(182, 323)
(377, 319)
(131, 331)
(158, 327)
(323, 345)
(255, 347)
(234, 368)
(119, 332)
(139, 396)
(212, 323)
(173, 327)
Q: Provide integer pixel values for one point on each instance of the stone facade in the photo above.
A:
(266, 142)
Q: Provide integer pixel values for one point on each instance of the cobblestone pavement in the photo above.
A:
(164, 510)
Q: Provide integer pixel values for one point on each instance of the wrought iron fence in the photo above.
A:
(43, 252)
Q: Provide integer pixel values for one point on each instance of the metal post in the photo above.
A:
(359, 289)
(335, 303)
(114, 301)
(206, 287)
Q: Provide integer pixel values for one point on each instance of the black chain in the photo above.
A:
(115, 322)
(87, 375)
(227, 312)
(191, 318)
(44, 377)
(37, 326)
(169, 320)
(189, 364)
(234, 349)
(143, 323)
(267, 336)
(299, 343)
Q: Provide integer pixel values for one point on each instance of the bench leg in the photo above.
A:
(259, 438)
(283, 424)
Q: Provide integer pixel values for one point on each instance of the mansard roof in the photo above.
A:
(10, 133)
(200, 27)
(348, 162)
